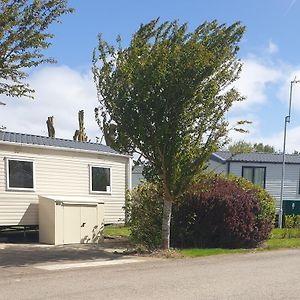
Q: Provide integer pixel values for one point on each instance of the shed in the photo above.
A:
(70, 220)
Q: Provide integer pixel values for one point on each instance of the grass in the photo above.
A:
(280, 239)
(117, 231)
(283, 243)
(196, 252)
(272, 244)
(278, 233)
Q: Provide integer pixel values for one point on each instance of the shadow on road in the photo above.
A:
(25, 251)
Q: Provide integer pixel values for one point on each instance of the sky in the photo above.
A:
(269, 51)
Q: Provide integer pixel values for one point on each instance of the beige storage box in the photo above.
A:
(70, 220)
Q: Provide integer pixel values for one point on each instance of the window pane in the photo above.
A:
(100, 179)
(248, 173)
(20, 174)
(259, 176)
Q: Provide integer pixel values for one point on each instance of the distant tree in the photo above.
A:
(23, 36)
(167, 94)
(240, 147)
(264, 148)
(245, 147)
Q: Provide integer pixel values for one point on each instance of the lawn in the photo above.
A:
(196, 252)
(282, 243)
(280, 239)
(116, 231)
(285, 233)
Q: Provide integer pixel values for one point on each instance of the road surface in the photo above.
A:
(263, 275)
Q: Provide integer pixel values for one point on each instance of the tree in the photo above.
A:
(167, 93)
(260, 147)
(240, 147)
(24, 34)
(245, 147)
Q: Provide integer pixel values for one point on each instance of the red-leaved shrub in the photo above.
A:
(222, 212)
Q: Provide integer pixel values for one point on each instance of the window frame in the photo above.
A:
(8, 188)
(253, 173)
(91, 179)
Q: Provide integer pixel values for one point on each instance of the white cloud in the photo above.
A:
(257, 135)
(292, 139)
(253, 128)
(284, 90)
(272, 48)
(60, 92)
(253, 82)
(292, 3)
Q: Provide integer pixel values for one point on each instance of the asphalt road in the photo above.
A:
(264, 275)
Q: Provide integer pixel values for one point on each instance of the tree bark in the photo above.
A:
(167, 209)
(166, 224)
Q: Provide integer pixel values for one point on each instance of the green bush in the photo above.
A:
(285, 233)
(217, 212)
(220, 211)
(292, 221)
(144, 214)
(291, 227)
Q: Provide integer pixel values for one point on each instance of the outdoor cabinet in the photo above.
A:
(70, 220)
(291, 207)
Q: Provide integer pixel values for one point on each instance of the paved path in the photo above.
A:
(264, 275)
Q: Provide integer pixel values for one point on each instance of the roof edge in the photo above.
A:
(63, 149)
(218, 158)
(264, 162)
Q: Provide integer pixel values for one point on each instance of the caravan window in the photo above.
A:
(257, 175)
(100, 179)
(20, 174)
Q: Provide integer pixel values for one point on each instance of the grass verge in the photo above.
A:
(272, 244)
(116, 231)
(197, 252)
(280, 239)
(283, 233)
(282, 243)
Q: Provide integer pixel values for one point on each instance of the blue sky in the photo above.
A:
(270, 52)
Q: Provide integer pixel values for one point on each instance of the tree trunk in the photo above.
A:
(166, 224)
(167, 209)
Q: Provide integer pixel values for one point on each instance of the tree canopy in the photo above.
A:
(24, 35)
(246, 147)
(166, 95)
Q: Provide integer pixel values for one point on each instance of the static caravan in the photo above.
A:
(37, 167)
(265, 170)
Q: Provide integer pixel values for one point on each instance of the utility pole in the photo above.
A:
(287, 119)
